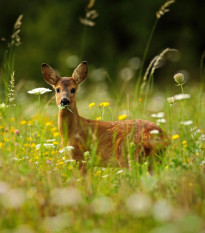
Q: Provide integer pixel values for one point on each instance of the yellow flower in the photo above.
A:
(29, 139)
(6, 140)
(122, 117)
(12, 119)
(184, 142)
(98, 118)
(104, 104)
(33, 145)
(49, 123)
(91, 105)
(23, 122)
(167, 167)
(197, 154)
(176, 136)
(56, 134)
(55, 143)
(1, 145)
(98, 173)
(30, 122)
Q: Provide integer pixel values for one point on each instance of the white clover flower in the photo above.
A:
(182, 97)
(66, 149)
(70, 196)
(139, 204)
(46, 145)
(39, 91)
(154, 131)
(158, 115)
(161, 121)
(14, 198)
(102, 205)
(162, 210)
(186, 122)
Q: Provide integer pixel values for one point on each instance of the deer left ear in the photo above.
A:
(80, 73)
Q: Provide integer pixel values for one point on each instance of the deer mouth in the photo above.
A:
(61, 107)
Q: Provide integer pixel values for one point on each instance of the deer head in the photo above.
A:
(65, 87)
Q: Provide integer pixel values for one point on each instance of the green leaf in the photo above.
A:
(64, 107)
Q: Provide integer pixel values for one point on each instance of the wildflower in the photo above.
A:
(119, 172)
(139, 204)
(98, 118)
(176, 136)
(66, 149)
(179, 78)
(39, 91)
(122, 117)
(154, 131)
(66, 196)
(102, 205)
(171, 100)
(158, 115)
(23, 122)
(3, 105)
(91, 105)
(161, 121)
(140, 100)
(162, 210)
(186, 122)
(98, 173)
(104, 104)
(182, 97)
(16, 131)
(46, 145)
(105, 176)
(56, 134)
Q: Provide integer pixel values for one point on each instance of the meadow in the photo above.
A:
(42, 189)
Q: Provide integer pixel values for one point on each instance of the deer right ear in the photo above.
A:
(49, 74)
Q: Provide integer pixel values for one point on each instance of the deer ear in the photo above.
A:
(49, 74)
(80, 72)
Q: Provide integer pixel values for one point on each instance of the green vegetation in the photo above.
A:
(41, 187)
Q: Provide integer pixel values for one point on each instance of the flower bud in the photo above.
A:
(179, 78)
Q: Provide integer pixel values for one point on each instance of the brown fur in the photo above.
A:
(111, 137)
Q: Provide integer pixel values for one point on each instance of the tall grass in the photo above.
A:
(42, 190)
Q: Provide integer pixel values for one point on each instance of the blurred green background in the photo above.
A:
(51, 32)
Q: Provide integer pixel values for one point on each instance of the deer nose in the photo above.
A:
(65, 102)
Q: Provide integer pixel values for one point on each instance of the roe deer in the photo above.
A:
(111, 136)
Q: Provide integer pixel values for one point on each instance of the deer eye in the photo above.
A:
(72, 91)
(58, 90)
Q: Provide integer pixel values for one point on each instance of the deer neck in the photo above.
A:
(68, 122)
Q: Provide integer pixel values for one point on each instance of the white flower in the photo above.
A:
(139, 204)
(202, 137)
(102, 205)
(39, 91)
(186, 122)
(70, 161)
(158, 115)
(46, 145)
(154, 131)
(70, 196)
(120, 171)
(161, 121)
(162, 210)
(182, 97)
(105, 176)
(51, 140)
(3, 105)
(66, 149)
